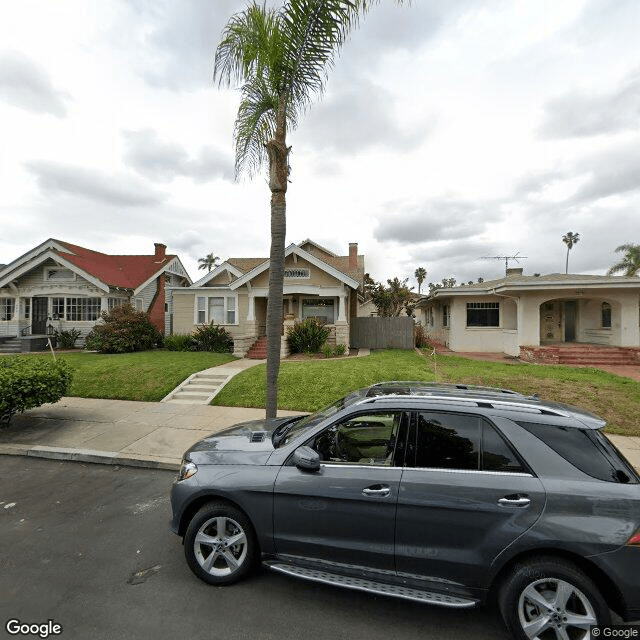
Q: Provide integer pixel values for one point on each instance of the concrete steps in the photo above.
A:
(10, 345)
(200, 388)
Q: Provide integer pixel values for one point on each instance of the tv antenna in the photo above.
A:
(517, 257)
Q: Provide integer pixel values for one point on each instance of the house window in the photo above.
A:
(27, 308)
(57, 308)
(138, 304)
(483, 314)
(82, 309)
(7, 308)
(216, 310)
(606, 315)
(445, 315)
(112, 303)
(319, 308)
(296, 273)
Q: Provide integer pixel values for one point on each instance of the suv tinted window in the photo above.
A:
(458, 441)
(372, 438)
(586, 449)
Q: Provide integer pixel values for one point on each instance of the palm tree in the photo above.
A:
(630, 263)
(208, 263)
(570, 239)
(420, 274)
(280, 59)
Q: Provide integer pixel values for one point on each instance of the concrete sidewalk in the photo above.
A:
(144, 434)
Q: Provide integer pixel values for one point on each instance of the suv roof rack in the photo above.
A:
(419, 387)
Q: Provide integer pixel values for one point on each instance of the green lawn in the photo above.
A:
(145, 375)
(310, 385)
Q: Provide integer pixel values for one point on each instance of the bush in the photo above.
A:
(307, 336)
(179, 343)
(327, 351)
(420, 335)
(340, 349)
(29, 382)
(67, 339)
(123, 330)
(211, 337)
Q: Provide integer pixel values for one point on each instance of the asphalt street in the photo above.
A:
(89, 547)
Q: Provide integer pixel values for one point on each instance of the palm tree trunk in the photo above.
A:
(566, 270)
(278, 176)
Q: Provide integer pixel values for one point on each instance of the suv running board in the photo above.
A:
(371, 586)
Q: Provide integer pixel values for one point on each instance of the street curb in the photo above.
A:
(87, 455)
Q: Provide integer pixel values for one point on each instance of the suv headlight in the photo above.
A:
(187, 469)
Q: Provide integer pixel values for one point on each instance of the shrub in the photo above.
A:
(211, 337)
(123, 330)
(420, 335)
(327, 351)
(67, 339)
(307, 336)
(29, 382)
(340, 349)
(179, 343)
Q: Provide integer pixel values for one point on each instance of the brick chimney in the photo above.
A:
(353, 255)
(160, 250)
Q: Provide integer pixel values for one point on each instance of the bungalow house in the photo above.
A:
(317, 284)
(518, 314)
(59, 286)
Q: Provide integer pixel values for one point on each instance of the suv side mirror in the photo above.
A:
(306, 459)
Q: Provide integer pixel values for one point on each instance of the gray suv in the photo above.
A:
(444, 494)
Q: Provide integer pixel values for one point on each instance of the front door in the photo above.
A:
(40, 308)
(570, 321)
(343, 516)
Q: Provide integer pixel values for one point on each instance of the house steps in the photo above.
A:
(584, 355)
(10, 345)
(259, 349)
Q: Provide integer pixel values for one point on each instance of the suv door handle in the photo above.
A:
(377, 490)
(515, 501)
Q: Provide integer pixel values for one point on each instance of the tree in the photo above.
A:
(630, 263)
(570, 239)
(447, 283)
(420, 274)
(208, 263)
(280, 59)
(392, 300)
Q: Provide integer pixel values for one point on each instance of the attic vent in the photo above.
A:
(258, 436)
(296, 273)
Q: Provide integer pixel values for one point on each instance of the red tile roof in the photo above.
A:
(127, 272)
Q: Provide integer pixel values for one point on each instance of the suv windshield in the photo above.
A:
(308, 422)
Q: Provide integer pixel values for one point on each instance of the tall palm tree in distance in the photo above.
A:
(420, 274)
(630, 263)
(208, 263)
(280, 60)
(570, 239)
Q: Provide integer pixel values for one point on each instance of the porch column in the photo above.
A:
(342, 306)
(629, 323)
(528, 322)
(251, 313)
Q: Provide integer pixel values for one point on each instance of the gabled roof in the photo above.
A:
(335, 271)
(249, 268)
(118, 271)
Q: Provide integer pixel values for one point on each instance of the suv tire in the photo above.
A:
(550, 595)
(219, 545)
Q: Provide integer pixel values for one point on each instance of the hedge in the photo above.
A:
(27, 382)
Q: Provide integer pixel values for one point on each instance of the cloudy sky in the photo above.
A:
(450, 130)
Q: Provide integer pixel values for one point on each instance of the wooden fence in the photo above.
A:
(382, 333)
